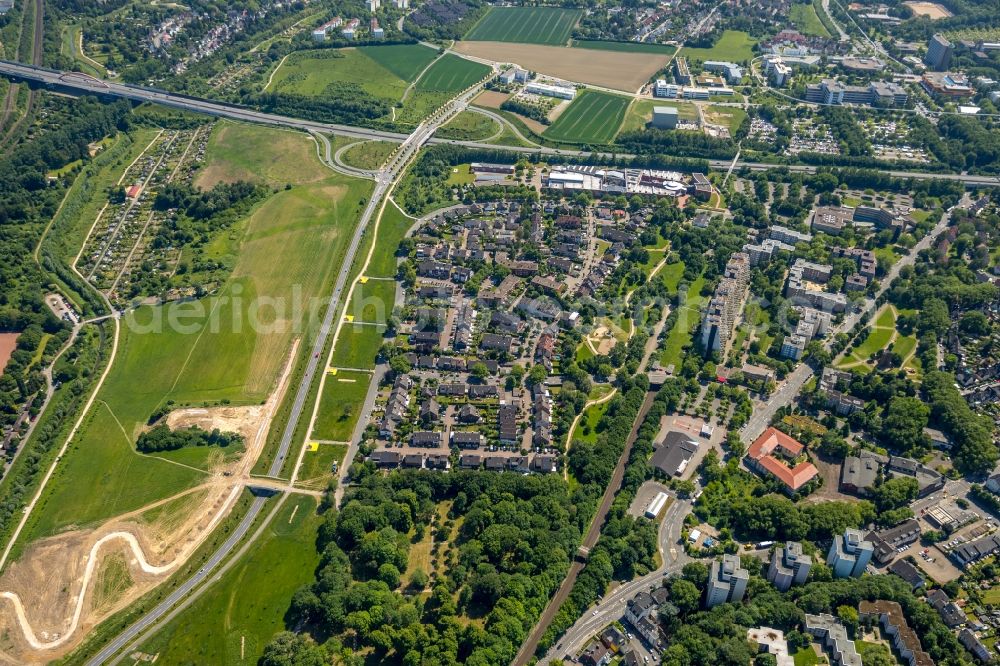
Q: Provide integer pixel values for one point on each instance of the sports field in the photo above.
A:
(340, 405)
(733, 45)
(225, 347)
(451, 74)
(238, 615)
(526, 25)
(593, 117)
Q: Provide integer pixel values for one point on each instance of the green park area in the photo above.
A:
(340, 405)
(357, 346)
(221, 349)
(883, 334)
(527, 25)
(593, 117)
(681, 336)
(732, 46)
(237, 616)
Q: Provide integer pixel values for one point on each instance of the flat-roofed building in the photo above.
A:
(727, 581)
(789, 566)
(850, 554)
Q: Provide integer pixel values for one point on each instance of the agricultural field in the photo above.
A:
(381, 71)
(451, 74)
(624, 47)
(340, 405)
(593, 117)
(733, 45)
(219, 348)
(527, 25)
(237, 616)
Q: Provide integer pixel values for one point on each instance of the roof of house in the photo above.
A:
(774, 440)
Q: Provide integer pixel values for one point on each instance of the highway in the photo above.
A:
(385, 180)
(83, 83)
(182, 591)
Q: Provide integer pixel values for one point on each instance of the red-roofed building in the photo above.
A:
(760, 457)
(133, 191)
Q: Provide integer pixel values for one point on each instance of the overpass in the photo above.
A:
(79, 83)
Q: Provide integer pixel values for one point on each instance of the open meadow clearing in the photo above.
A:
(357, 346)
(451, 74)
(237, 616)
(369, 154)
(340, 405)
(618, 70)
(372, 301)
(733, 45)
(225, 348)
(806, 20)
(392, 227)
(528, 25)
(593, 117)
(640, 113)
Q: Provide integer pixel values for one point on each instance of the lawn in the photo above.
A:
(680, 336)
(727, 116)
(369, 155)
(806, 20)
(226, 347)
(340, 405)
(806, 657)
(527, 25)
(357, 346)
(624, 47)
(671, 275)
(593, 117)
(733, 46)
(238, 615)
(317, 466)
(451, 74)
(372, 301)
(470, 126)
(392, 227)
(640, 113)
(586, 429)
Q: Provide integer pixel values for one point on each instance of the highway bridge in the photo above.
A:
(79, 83)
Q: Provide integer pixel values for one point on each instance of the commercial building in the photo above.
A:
(946, 84)
(831, 219)
(763, 457)
(732, 71)
(727, 581)
(833, 635)
(849, 554)
(665, 117)
(672, 456)
(656, 506)
(550, 90)
(666, 90)
(726, 304)
(939, 53)
(778, 71)
(876, 93)
(789, 566)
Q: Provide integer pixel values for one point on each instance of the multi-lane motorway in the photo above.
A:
(82, 83)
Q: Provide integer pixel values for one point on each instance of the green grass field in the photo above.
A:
(586, 429)
(527, 25)
(593, 117)
(626, 47)
(392, 227)
(224, 347)
(237, 616)
(640, 112)
(470, 126)
(340, 405)
(451, 74)
(728, 116)
(372, 302)
(680, 336)
(357, 346)
(368, 154)
(317, 466)
(804, 16)
(733, 45)
(381, 71)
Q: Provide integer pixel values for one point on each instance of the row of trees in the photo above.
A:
(162, 438)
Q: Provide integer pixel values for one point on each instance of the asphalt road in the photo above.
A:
(795, 380)
(109, 650)
(75, 81)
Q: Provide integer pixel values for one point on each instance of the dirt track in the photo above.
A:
(51, 589)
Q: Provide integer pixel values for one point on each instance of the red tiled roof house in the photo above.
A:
(761, 458)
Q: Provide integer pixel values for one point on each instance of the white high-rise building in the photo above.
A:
(789, 566)
(850, 554)
(727, 581)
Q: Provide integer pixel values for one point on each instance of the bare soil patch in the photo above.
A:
(491, 99)
(610, 69)
(931, 10)
(8, 343)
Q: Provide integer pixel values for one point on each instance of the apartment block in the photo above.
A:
(727, 581)
(789, 566)
(849, 554)
(726, 304)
